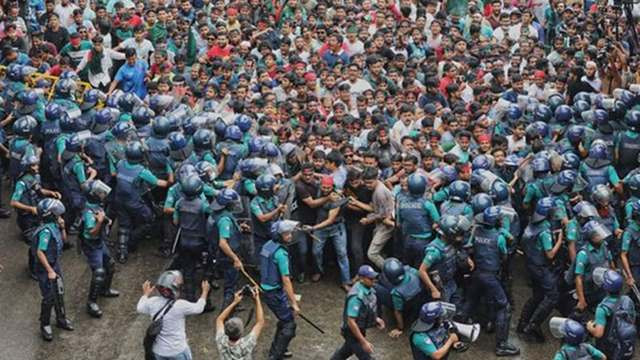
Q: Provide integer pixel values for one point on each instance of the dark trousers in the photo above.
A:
(137, 217)
(487, 285)
(357, 247)
(299, 251)
(277, 301)
(231, 276)
(545, 295)
(47, 291)
(97, 257)
(351, 346)
(189, 259)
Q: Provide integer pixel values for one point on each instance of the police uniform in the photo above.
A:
(582, 351)
(605, 174)
(73, 176)
(27, 192)
(48, 239)
(237, 151)
(604, 311)
(490, 250)
(95, 250)
(260, 205)
(536, 190)
(408, 296)
(426, 342)
(19, 148)
(628, 148)
(587, 259)
(274, 264)
(537, 240)
(416, 216)
(441, 262)
(49, 132)
(190, 215)
(225, 226)
(360, 305)
(631, 246)
(134, 215)
(95, 148)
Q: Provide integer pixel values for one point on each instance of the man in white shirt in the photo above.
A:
(144, 48)
(65, 11)
(403, 127)
(172, 340)
(523, 27)
(357, 84)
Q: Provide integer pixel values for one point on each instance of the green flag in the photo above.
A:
(192, 48)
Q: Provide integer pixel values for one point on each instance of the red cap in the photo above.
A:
(327, 181)
(232, 12)
(484, 138)
(310, 76)
(539, 74)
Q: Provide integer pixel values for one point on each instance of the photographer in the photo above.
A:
(171, 342)
(229, 341)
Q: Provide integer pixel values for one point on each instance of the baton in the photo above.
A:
(310, 323)
(175, 240)
(253, 282)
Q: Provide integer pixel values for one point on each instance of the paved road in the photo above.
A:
(118, 335)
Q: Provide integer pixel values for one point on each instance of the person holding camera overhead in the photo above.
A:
(171, 341)
(229, 340)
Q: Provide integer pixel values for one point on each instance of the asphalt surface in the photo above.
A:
(118, 334)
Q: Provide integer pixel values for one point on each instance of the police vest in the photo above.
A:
(95, 149)
(408, 290)
(596, 176)
(368, 311)
(452, 208)
(49, 130)
(127, 182)
(595, 260)
(414, 217)
(628, 151)
(192, 218)
(579, 353)
(69, 178)
(447, 265)
(634, 245)
(485, 247)
(607, 138)
(262, 229)
(530, 238)
(157, 155)
(114, 150)
(438, 336)
(269, 273)
(54, 249)
(16, 152)
(30, 195)
(234, 237)
(94, 242)
(232, 160)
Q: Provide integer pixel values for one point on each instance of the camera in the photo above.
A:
(247, 291)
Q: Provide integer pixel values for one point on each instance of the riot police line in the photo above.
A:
(82, 169)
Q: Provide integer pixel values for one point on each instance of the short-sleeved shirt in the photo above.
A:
(423, 342)
(224, 225)
(612, 175)
(131, 78)
(281, 258)
(44, 238)
(396, 299)
(256, 209)
(627, 237)
(582, 259)
(241, 350)
(89, 220)
(602, 312)
(303, 212)
(354, 304)
(20, 188)
(595, 353)
(431, 254)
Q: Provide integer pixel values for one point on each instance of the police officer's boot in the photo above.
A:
(97, 282)
(525, 316)
(503, 347)
(123, 243)
(45, 320)
(107, 291)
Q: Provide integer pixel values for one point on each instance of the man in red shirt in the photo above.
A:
(222, 48)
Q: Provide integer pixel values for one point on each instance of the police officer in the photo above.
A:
(534, 190)
(440, 263)
(26, 195)
(360, 313)
(55, 159)
(573, 336)
(264, 211)
(95, 146)
(47, 245)
(75, 175)
(615, 316)
(400, 289)
(540, 250)
(21, 145)
(429, 337)
(49, 131)
(94, 234)
(583, 212)
(417, 218)
(236, 149)
(630, 254)
(227, 235)
(123, 133)
(490, 254)
(626, 146)
(459, 192)
(134, 215)
(190, 216)
(597, 168)
(601, 197)
(64, 95)
(594, 255)
(275, 282)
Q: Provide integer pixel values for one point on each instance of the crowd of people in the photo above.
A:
(427, 143)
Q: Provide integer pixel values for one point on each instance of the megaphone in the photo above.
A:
(469, 331)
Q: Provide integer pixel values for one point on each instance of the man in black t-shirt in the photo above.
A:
(56, 34)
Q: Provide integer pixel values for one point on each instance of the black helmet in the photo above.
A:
(393, 270)
(135, 152)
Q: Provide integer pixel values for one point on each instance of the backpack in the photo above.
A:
(621, 332)
(154, 330)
